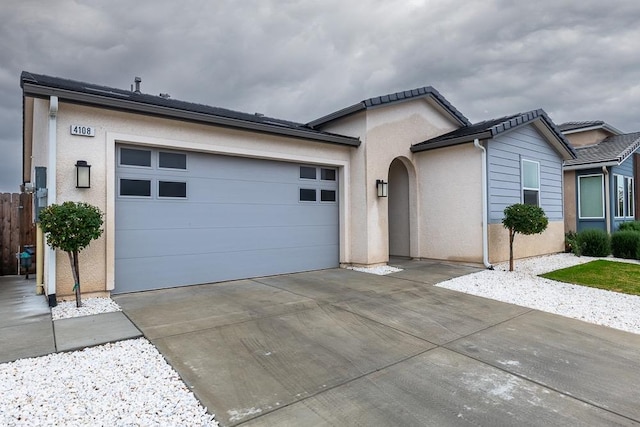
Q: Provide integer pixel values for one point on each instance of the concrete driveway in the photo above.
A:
(338, 347)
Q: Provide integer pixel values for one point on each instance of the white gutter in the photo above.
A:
(51, 190)
(485, 225)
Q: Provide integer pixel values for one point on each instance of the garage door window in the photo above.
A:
(307, 195)
(135, 187)
(327, 195)
(172, 189)
(328, 174)
(307, 172)
(133, 157)
(172, 160)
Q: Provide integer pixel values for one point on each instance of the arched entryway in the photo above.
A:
(399, 218)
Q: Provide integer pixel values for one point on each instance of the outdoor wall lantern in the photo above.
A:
(381, 187)
(83, 174)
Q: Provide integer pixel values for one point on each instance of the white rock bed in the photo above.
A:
(67, 309)
(127, 383)
(523, 287)
(380, 270)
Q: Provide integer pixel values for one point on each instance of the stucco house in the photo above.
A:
(195, 194)
(601, 183)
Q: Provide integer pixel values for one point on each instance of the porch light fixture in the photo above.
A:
(381, 187)
(83, 174)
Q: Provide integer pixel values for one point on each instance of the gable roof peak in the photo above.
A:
(490, 128)
(421, 92)
(583, 126)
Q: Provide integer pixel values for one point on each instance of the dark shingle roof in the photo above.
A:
(108, 97)
(608, 152)
(572, 127)
(491, 128)
(421, 92)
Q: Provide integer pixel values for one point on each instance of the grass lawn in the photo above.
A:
(609, 275)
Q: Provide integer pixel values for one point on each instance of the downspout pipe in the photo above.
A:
(607, 199)
(485, 225)
(51, 195)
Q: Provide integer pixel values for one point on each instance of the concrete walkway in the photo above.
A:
(27, 330)
(338, 347)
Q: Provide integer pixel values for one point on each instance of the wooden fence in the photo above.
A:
(16, 229)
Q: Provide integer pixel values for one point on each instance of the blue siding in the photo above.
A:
(504, 156)
(625, 169)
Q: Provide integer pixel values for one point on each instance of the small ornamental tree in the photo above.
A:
(523, 219)
(71, 227)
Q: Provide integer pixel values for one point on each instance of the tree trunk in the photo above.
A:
(73, 259)
(512, 235)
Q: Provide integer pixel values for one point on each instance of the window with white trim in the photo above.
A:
(625, 196)
(631, 198)
(591, 196)
(530, 182)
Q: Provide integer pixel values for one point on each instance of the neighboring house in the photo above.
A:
(195, 194)
(601, 183)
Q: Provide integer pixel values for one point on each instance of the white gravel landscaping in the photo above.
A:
(523, 287)
(127, 383)
(67, 309)
(380, 270)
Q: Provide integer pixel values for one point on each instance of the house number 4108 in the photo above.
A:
(83, 130)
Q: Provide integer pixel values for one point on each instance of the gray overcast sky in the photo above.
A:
(298, 60)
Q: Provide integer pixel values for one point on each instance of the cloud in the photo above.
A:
(299, 60)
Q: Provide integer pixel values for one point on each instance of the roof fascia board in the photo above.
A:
(435, 102)
(337, 115)
(605, 127)
(590, 165)
(449, 142)
(123, 104)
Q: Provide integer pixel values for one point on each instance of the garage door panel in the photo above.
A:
(157, 215)
(171, 271)
(240, 218)
(217, 240)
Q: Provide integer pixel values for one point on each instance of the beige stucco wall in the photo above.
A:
(97, 262)
(570, 201)
(549, 242)
(587, 138)
(387, 132)
(451, 203)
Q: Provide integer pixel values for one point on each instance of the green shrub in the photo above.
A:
(626, 244)
(571, 243)
(594, 242)
(632, 226)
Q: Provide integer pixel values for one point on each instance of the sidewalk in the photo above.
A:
(27, 330)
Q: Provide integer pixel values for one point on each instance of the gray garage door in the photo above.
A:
(186, 218)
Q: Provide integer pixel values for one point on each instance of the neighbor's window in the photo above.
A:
(133, 157)
(625, 196)
(590, 197)
(619, 188)
(172, 189)
(172, 160)
(135, 187)
(530, 182)
(631, 199)
(307, 172)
